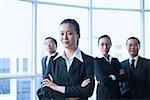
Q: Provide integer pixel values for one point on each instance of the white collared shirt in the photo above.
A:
(135, 62)
(109, 59)
(77, 54)
(48, 58)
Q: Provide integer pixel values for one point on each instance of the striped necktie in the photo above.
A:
(132, 65)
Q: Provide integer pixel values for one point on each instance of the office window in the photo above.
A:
(17, 65)
(4, 65)
(147, 4)
(4, 69)
(25, 65)
(147, 34)
(15, 33)
(16, 46)
(23, 90)
(121, 4)
(22, 44)
(4, 86)
(71, 2)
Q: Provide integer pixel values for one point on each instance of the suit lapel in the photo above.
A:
(44, 66)
(62, 65)
(75, 65)
(139, 65)
(127, 66)
(51, 63)
(44, 62)
(49, 69)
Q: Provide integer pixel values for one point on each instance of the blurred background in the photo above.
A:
(24, 24)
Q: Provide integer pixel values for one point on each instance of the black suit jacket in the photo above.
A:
(41, 92)
(107, 89)
(72, 79)
(44, 67)
(138, 84)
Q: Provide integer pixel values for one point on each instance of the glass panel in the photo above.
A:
(4, 86)
(16, 49)
(147, 34)
(16, 34)
(4, 65)
(25, 64)
(23, 90)
(128, 4)
(147, 4)
(119, 26)
(17, 65)
(48, 24)
(15, 89)
(71, 2)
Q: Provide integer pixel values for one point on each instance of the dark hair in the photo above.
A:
(73, 22)
(105, 36)
(51, 39)
(135, 39)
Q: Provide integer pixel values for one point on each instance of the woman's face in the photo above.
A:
(104, 46)
(68, 36)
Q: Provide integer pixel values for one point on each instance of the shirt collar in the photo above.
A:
(135, 58)
(102, 56)
(52, 54)
(77, 54)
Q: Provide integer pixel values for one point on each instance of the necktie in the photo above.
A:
(131, 74)
(132, 64)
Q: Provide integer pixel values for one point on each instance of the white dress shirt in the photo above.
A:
(77, 54)
(135, 62)
(48, 58)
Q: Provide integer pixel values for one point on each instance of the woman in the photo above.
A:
(72, 76)
(108, 72)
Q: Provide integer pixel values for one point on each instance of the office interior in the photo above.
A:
(24, 24)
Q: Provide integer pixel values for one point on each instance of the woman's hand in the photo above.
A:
(85, 82)
(49, 83)
(121, 72)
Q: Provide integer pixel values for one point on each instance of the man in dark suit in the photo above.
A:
(138, 69)
(51, 46)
